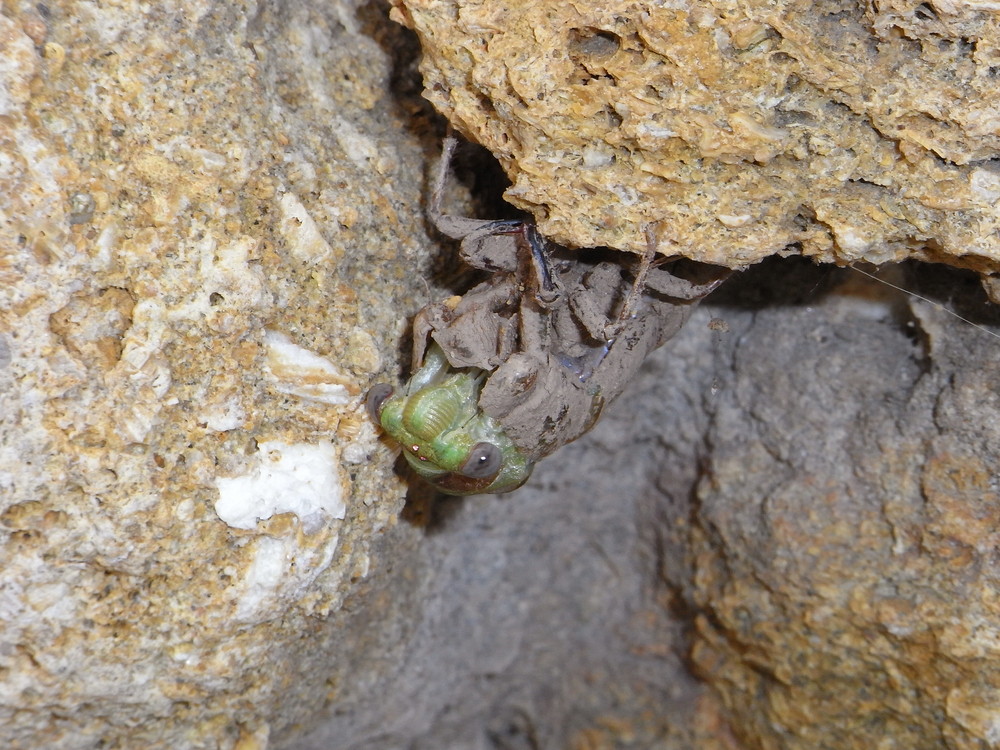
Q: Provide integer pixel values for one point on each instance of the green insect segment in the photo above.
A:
(445, 437)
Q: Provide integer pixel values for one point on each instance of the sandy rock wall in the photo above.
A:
(843, 131)
(197, 203)
(212, 240)
(840, 552)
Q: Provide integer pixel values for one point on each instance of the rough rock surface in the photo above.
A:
(804, 478)
(839, 130)
(210, 216)
(843, 550)
(211, 241)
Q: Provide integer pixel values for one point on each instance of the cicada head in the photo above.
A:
(447, 439)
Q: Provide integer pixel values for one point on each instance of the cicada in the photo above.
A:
(526, 361)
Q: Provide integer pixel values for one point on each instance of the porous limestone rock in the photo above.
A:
(840, 130)
(211, 241)
(210, 221)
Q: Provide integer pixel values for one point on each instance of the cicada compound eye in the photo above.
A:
(484, 461)
(378, 394)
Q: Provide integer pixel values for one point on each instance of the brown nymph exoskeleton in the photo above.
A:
(526, 361)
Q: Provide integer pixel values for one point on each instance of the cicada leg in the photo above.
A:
(638, 287)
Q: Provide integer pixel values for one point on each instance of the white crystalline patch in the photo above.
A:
(301, 479)
(227, 269)
(655, 130)
(17, 66)
(985, 184)
(224, 416)
(593, 158)
(360, 148)
(304, 238)
(264, 575)
(851, 241)
(734, 220)
(300, 372)
(280, 571)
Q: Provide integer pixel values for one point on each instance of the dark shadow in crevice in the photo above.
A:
(425, 507)
(799, 282)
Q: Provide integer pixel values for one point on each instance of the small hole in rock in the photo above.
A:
(592, 42)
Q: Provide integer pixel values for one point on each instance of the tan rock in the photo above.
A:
(211, 242)
(197, 206)
(842, 132)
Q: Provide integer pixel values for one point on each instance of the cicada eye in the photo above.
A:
(484, 461)
(377, 396)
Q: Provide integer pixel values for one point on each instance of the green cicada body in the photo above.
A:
(445, 437)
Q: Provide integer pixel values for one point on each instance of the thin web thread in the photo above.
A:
(938, 305)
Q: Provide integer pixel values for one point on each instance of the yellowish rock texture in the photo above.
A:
(211, 243)
(843, 131)
(197, 205)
